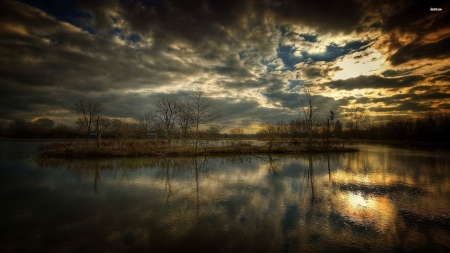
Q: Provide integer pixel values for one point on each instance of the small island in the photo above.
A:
(137, 148)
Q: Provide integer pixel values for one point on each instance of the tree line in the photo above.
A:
(425, 126)
(195, 116)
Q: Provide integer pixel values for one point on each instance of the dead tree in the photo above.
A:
(203, 110)
(308, 107)
(88, 112)
(167, 109)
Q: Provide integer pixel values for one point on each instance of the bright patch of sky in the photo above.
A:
(368, 62)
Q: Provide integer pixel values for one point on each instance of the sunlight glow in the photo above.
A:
(377, 212)
(368, 62)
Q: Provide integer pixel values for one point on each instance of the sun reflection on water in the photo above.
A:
(371, 211)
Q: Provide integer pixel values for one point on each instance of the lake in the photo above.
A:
(384, 198)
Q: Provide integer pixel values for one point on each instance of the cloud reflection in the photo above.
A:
(338, 202)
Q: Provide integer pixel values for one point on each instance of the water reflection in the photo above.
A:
(380, 199)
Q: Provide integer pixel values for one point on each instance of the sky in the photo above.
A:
(249, 56)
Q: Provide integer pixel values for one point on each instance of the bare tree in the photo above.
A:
(308, 107)
(185, 117)
(167, 109)
(146, 122)
(43, 124)
(358, 116)
(99, 130)
(203, 111)
(269, 133)
(214, 130)
(88, 111)
(237, 132)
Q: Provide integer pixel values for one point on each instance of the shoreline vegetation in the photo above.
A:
(142, 148)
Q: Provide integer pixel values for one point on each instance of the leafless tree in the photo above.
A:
(308, 106)
(269, 133)
(98, 130)
(185, 117)
(167, 109)
(203, 111)
(43, 124)
(3, 128)
(146, 122)
(237, 132)
(358, 116)
(214, 130)
(88, 112)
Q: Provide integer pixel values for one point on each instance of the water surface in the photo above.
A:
(390, 198)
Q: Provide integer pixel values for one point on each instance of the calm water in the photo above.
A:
(385, 198)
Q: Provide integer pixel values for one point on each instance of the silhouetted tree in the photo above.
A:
(42, 127)
(167, 109)
(204, 111)
(308, 107)
(269, 133)
(185, 116)
(238, 132)
(89, 111)
(214, 130)
(146, 123)
(338, 129)
(21, 129)
(358, 117)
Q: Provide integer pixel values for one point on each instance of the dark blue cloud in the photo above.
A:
(62, 10)
(332, 52)
(130, 37)
(285, 53)
(66, 11)
(309, 37)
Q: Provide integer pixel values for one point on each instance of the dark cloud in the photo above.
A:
(375, 82)
(412, 16)
(418, 51)
(62, 10)
(404, 106)
(57, 55)
(343, 16)
(233, 67)
(410, 101)
(414, 31)
(399, 72)
(198, 20)
(444, 68)
(317, 71)
(441, 78)
(422, 88)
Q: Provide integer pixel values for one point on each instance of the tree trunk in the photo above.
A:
(99, 134)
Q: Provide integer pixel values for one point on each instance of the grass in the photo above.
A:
(135, 148)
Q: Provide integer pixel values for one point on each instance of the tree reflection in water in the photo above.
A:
(339, 202)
